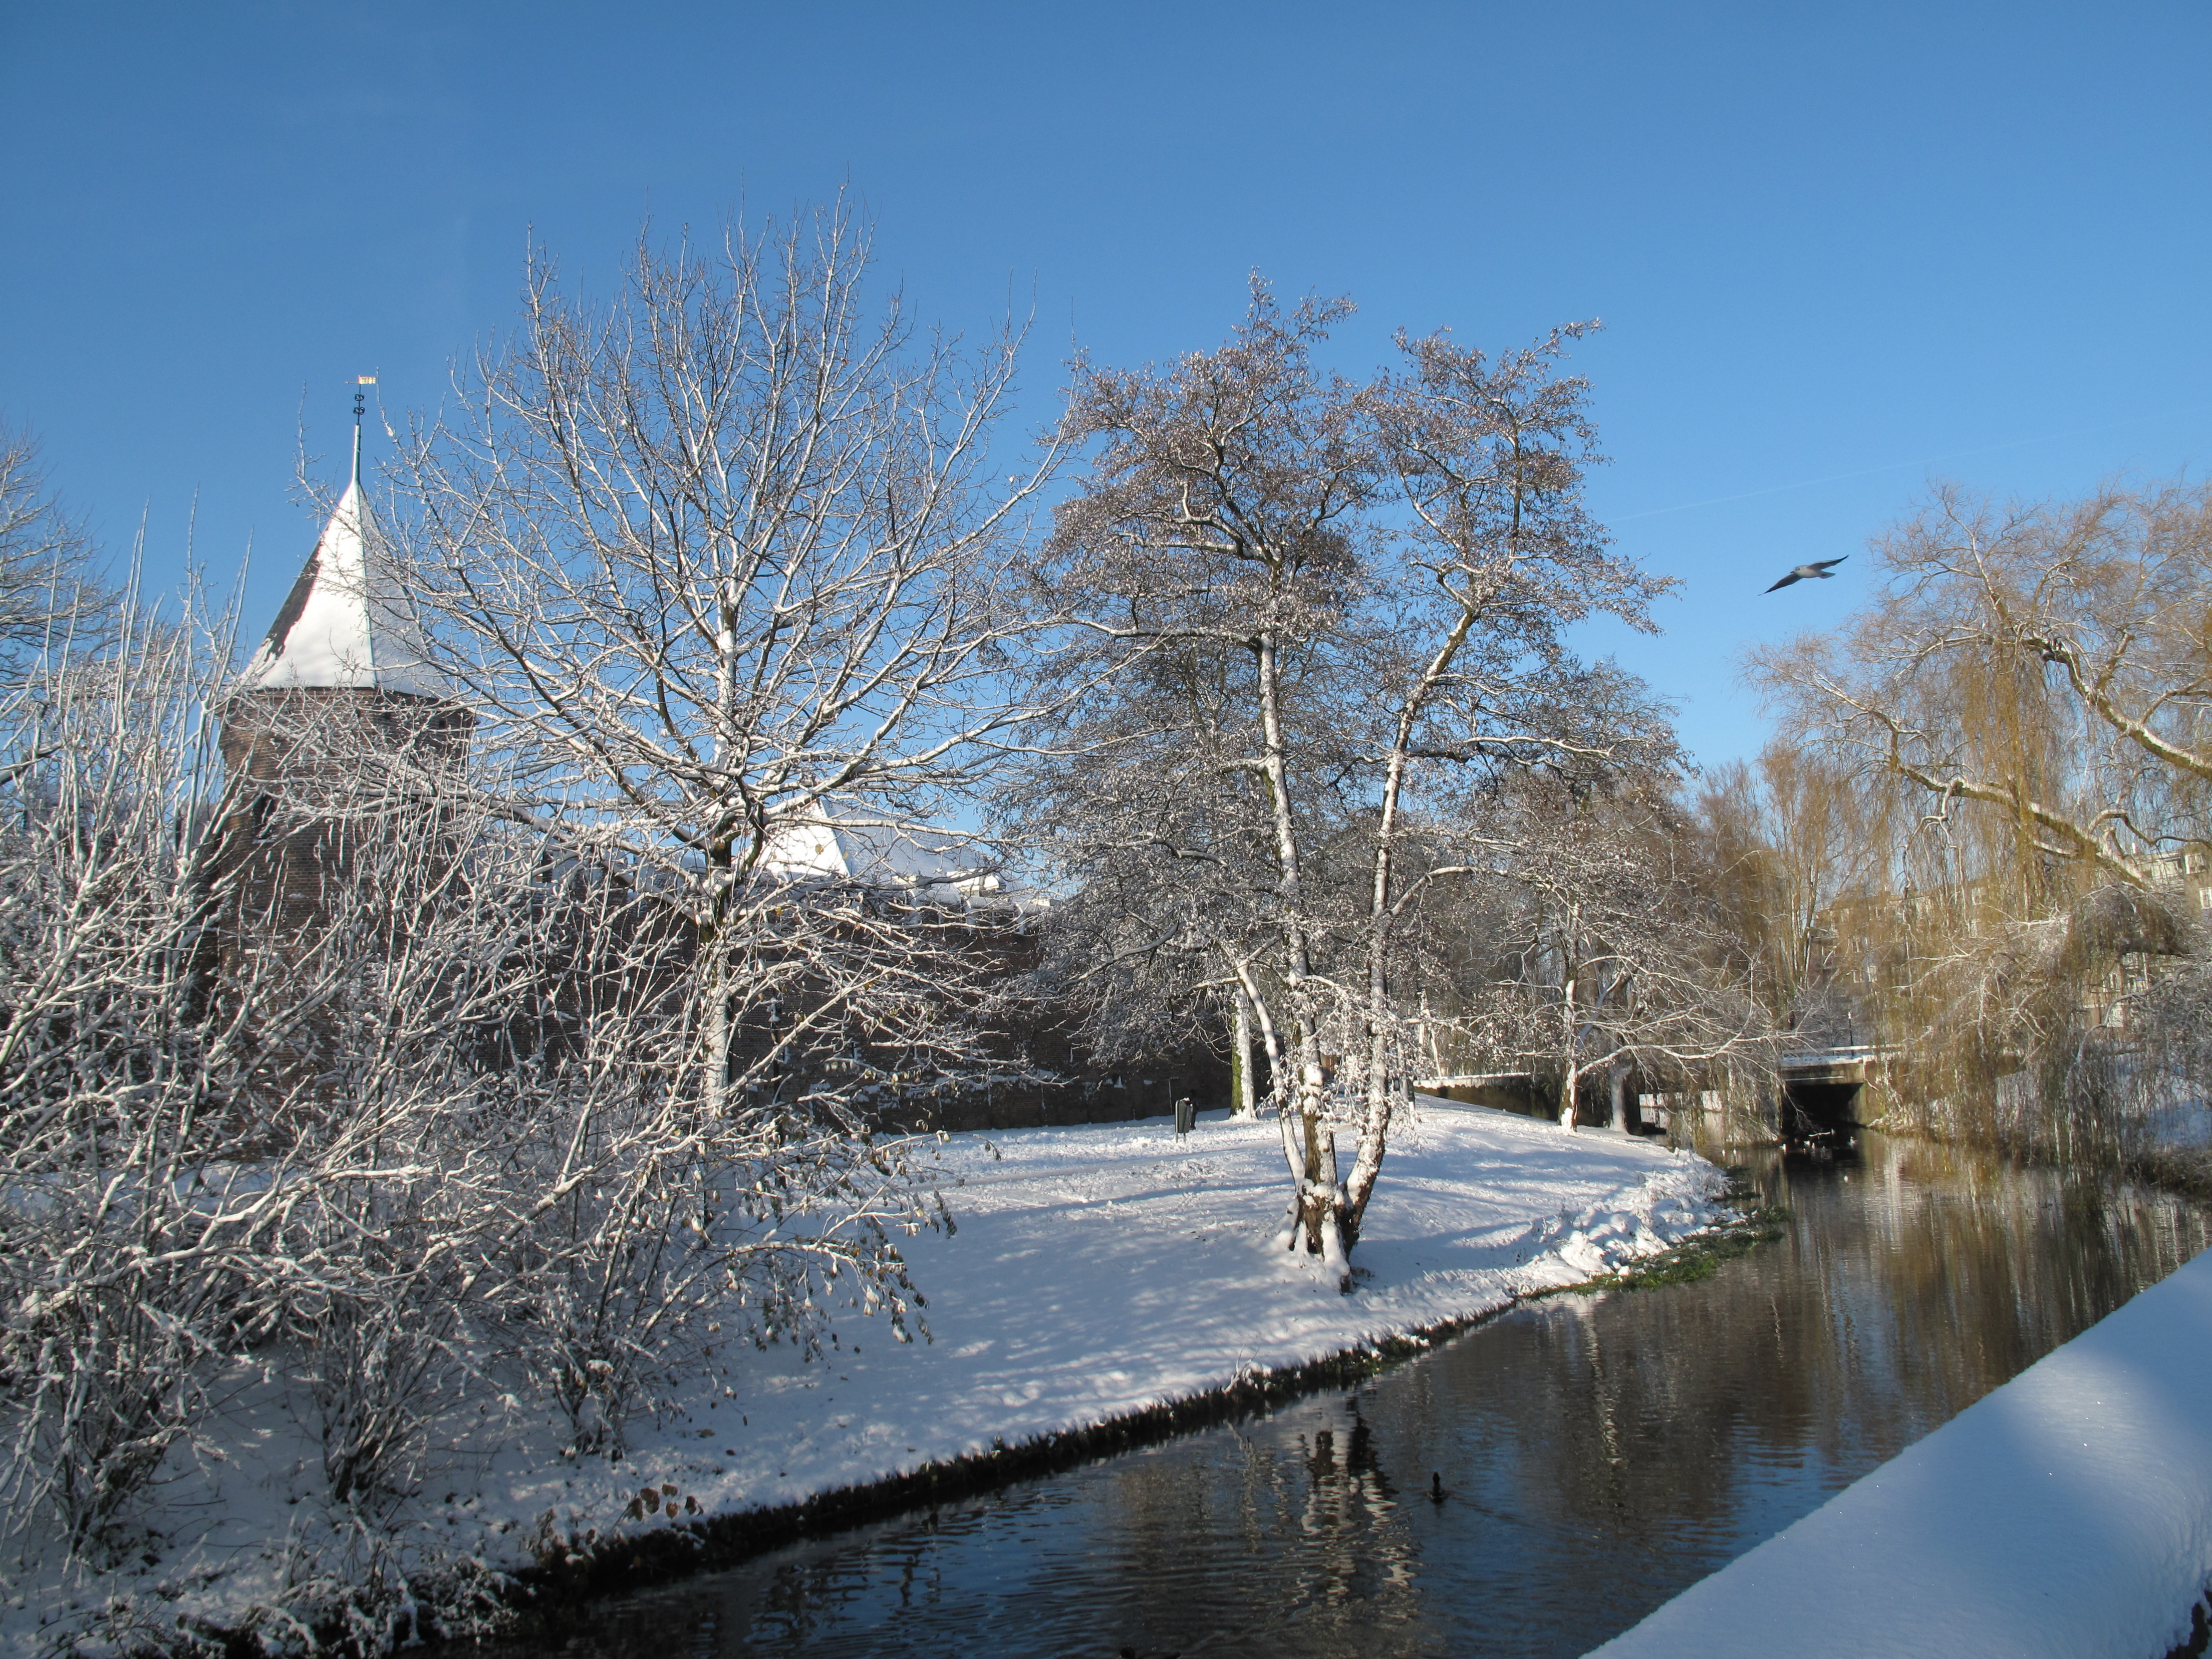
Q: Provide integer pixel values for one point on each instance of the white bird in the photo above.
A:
(1823, 569)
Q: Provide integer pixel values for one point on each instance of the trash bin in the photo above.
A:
(1185, 1116)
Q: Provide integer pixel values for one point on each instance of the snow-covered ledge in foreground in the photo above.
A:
(2068, 1513)
(1096, 1271)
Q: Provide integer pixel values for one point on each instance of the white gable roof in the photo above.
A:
(816, 847)
(345, 623)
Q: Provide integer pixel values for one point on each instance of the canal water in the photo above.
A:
(1597, 1454)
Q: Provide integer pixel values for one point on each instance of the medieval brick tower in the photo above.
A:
(339, 740)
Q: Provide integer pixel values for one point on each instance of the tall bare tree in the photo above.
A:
(1328, 611)
(720, 566)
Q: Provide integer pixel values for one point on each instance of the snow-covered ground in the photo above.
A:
(1096, 1270)
(2068, 1513)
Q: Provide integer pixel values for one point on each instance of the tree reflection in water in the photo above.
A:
(1597, 1453)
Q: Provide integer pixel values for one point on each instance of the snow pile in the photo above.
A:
(2068, 1513)
(1096, 1271)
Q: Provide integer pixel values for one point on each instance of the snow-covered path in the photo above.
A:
(1096, 1271)
(2068, 1513)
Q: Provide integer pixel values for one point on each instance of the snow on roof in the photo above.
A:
(345, 623)
(819, 847)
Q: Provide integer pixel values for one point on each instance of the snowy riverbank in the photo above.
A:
(1096, 1271)
(2068, 1513)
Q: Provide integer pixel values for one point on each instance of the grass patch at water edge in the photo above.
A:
(1697, 1258)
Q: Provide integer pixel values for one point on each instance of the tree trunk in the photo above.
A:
(1375, 1119)
(1242, 1101)
(1317, 1192)
(1569, 1040)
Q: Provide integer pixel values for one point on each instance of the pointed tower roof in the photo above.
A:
(346, 624)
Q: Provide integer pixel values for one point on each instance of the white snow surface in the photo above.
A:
(2068, 1513)
(1096, 1270)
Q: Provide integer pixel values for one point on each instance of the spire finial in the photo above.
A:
(359, 381)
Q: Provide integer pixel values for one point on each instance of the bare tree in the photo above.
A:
(99, 1358)
(1610, 954)
(1328, 611)
(52, 598)
(721, 567)
(181, 1192)
(1490, 456)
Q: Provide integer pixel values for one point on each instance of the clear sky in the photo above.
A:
(1839, 250)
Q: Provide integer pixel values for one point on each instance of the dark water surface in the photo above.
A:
(1598, 1453)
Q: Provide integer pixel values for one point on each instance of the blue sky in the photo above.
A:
(1838, 250)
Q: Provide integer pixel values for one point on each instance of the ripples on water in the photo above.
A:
(1598, 1453)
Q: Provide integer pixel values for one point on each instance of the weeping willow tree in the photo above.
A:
(2022, 708)
(1787, 846)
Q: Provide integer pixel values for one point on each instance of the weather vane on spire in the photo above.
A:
(359, 380)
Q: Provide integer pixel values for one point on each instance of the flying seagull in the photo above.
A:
(1802, 571)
